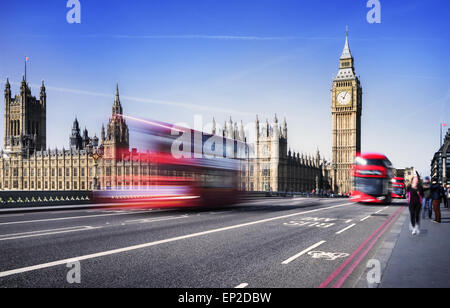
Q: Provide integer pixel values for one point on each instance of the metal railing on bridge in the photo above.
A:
(18, 199)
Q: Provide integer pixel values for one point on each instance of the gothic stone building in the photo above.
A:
(26, 164)
(346, 109)
(271, 166)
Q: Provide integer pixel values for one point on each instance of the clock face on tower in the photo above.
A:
(344, 98)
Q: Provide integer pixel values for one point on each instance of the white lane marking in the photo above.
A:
(67, 212)
(345, 229)
(41, 231)
(147, 220)
(386, 207)
(349, 221)
(22, 235)
(146, 245)
(367, 217)
(221, 212)
(44, 232)
(63, 218)
(287, 261)
(241, 286)
(10, 215)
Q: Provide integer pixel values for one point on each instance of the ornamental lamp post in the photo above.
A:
(96, 156)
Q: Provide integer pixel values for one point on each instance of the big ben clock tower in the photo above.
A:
(346, 109)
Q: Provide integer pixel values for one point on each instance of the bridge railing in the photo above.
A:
(17, 199)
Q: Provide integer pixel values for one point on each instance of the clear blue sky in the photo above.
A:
(174, 59)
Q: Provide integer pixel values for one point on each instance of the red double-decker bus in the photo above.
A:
(398, 188)
(180, 168)
(372, 176)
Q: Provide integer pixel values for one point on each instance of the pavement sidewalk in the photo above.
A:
(420, 261)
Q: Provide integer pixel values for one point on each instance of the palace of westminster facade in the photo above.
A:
(26, 164)
(272, 167)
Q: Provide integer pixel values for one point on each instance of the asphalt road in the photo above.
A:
(263, 243)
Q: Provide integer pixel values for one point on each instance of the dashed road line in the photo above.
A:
(346, 228)
(16, 236)
(155, 219)
(62, 218)
(287, 261)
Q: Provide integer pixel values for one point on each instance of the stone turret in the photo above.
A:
(24, 120)
(116, 140)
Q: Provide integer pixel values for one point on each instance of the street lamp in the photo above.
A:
(96, 155)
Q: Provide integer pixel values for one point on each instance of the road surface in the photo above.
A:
(269, 242)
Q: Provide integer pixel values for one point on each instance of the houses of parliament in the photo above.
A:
(26, 164)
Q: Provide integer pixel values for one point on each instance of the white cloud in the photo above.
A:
(185, 105)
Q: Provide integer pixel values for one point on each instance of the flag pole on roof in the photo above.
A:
(26, 60)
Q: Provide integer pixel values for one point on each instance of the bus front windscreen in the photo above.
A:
(370, 186)
(398, 190)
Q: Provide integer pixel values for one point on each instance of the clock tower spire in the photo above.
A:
(346, 110)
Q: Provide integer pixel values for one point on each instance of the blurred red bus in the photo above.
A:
(372, 176)
(207, 172)
(398, 188)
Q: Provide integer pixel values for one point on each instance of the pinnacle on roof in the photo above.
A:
(346, 53)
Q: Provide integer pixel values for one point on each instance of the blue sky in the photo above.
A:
(175, 59)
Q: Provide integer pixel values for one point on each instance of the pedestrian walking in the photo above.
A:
(427, 201)
(415, 196)
(436, 195)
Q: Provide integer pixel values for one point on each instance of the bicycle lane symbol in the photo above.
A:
(329, 256)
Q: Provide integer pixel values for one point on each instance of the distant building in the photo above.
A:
(271, 166)
(409, 174)
(440, 164)
(399, 173)
(406, 173)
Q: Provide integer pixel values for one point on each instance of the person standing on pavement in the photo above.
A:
(436, 195)
(426, 203)
(415, 195)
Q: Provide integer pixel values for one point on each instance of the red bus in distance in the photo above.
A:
(372, 179)
(398, 188)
